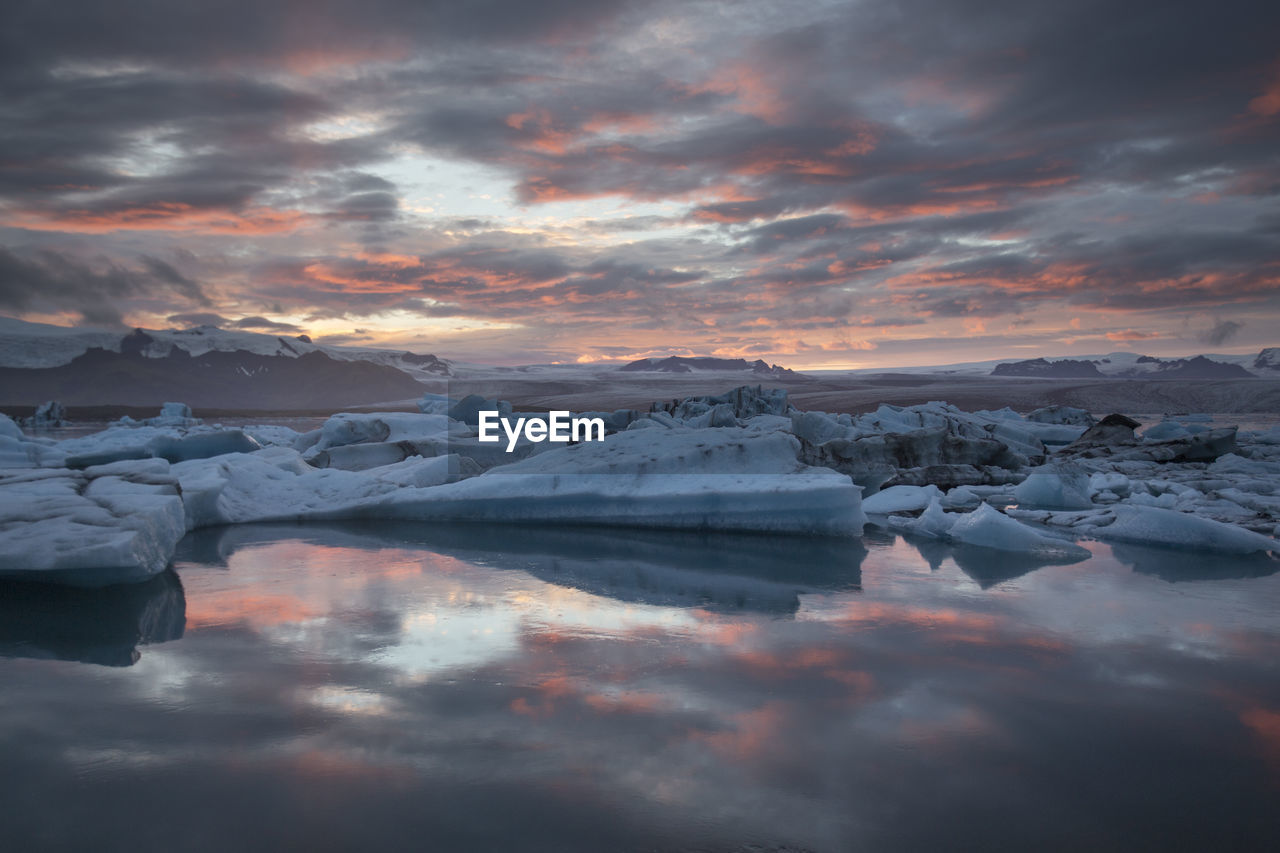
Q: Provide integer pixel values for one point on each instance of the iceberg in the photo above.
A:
(105, 525)
(1055, 486)
(901, 499)
(988, 528)
(933, 523)
(731, 479)
(1150, 525)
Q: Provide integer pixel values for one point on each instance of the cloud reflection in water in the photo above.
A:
(464, 689)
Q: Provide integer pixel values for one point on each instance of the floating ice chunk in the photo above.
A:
(1065, 415)
(434, 404)
(961, 497)
(933, 523)
(817, 427)
(18, 450)
(646, 423)
(986, 527)
(9, 429)
(1110, 481)
(1271, 436)
(1232, 465)
(172, 415)
(1150, 525)
(202, 445)
(468, 409)
(271, 435)
(719, 415)
(1056, 486)
(1005, 414)
(1165, 430)
(1167, 500)
(714, 479)
(357, 428)
(123, 443)
(730, 479)
(50, 413)
(277, 485)
(71, 528)
(901, 499)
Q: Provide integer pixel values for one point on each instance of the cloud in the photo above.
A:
(1132, 335)
(49, 281)
(621, 171)
(265, 325)
(1222, 332)
(199, 318)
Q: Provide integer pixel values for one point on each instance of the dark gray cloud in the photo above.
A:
(48, 281)
(849, 165)
(1222, 331)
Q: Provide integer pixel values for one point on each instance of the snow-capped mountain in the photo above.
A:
(687, 364)
(1115, 365)
(35, 345)
(204, 366)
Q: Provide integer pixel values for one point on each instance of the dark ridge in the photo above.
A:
(427, 361)
(1065, 369)
(687, 364)
(1197, 367)
(219, 380)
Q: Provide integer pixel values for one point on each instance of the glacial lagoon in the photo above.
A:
(375, 686)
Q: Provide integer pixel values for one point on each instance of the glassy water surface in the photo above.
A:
(472, 688)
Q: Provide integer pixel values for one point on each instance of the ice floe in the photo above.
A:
(110, 506)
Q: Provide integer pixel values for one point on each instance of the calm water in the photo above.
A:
(387, 687)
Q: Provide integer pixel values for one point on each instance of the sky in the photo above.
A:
(852, 184)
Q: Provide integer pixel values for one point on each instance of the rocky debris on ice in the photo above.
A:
(957, 448)
(1115, 430)
(744, 402)
(1114, 437)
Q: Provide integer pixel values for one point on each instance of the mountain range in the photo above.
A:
(209, 367)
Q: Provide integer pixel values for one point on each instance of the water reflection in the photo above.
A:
(716, 571)
(1175, 565)
(986, 566)
(463, 689)
(104, 625)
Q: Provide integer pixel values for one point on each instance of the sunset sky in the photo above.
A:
(817, 184)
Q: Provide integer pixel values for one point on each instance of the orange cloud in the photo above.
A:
(1132, 335)
(164, 216)
(539, 131)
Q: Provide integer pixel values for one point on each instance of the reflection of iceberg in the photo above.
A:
(714, 570)
(104, 625)
(986, 566)
(1174, 565)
